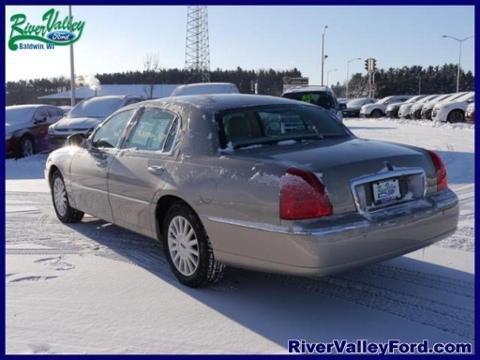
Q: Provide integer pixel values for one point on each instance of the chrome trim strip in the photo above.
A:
(437, 202)
(291, 231)
(143, 202)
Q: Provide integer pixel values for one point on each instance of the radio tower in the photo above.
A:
(197, 49)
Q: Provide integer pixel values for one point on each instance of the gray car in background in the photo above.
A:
(354, 106)
(86, 115)
(256, 182)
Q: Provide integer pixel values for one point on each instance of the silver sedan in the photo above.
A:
(256, 182)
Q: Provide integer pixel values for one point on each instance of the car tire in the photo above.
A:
(27, 146)
(64, 211)
(376, 113)
(456, 116)
(188, 248)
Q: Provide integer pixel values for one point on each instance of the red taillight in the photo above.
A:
(302, 196)
(442, 181)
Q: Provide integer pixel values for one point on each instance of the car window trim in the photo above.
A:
(157, 152)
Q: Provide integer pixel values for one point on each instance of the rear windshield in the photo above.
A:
(96, 107)
(276, 125)
(323, 99)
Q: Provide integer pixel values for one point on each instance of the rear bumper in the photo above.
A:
(323, 247)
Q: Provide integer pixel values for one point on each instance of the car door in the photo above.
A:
(89, 166)
(141, 169)
(40, 122)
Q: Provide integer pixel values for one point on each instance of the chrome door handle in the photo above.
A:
(156, 169)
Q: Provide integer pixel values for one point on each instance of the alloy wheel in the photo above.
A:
(183, 246)
(60, 196)
(27, 147)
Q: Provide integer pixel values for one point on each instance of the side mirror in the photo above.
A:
(76, 140)
(342, 106)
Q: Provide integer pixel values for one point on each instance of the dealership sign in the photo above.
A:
(53, 30)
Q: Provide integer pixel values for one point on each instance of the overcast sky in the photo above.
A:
(252, 37)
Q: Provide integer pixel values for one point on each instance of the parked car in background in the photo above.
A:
(318, 95)
(470, 113)
(452, 111)
(26, 128)
(405, 110)
(428, 107)
(66, 108)
(256, 182)
(205, 88)
(354, 106)
(86, 115)
(378, 108)
(416, 109)
(392, 109)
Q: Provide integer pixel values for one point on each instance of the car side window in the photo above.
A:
(110, 132)
(152, 131)
(41, 114)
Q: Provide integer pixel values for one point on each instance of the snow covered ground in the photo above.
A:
(96, 288)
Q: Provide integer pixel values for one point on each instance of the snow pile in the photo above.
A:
(31, 167)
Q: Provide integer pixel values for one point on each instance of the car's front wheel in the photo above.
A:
(188, 248)
(27, 146)
(456, 116)
(376, 113)
(64, 211)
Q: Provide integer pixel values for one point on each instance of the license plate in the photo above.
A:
(386, 191)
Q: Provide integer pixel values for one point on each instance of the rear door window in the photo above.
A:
(152, 131)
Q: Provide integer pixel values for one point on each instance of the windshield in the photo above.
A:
(276, 125)
(358, 102)
(414, 99)
(465, 97)
(96, 107)
(16, 115)
(384, 100)
(455, 97)
(320, 98)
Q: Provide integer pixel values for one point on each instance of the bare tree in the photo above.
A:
(151, 67)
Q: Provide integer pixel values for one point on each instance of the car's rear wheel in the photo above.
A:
(27, 146)
(376, 113)
(64, 211)
(456, 116)
(188, 248)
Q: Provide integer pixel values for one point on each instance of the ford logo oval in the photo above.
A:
(61, 36)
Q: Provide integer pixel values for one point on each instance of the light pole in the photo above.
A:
(323, 49)
(348, 74)
(328, 73)
(460, 41)
(72, 68)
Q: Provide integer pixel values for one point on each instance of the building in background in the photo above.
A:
(143, 90)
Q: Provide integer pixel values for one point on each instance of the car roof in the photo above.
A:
(200, 88)
(308, 88)
(219, 102)
(101, 97)
(28, 106)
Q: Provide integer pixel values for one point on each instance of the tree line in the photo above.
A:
(405, 80)
(411, 80)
